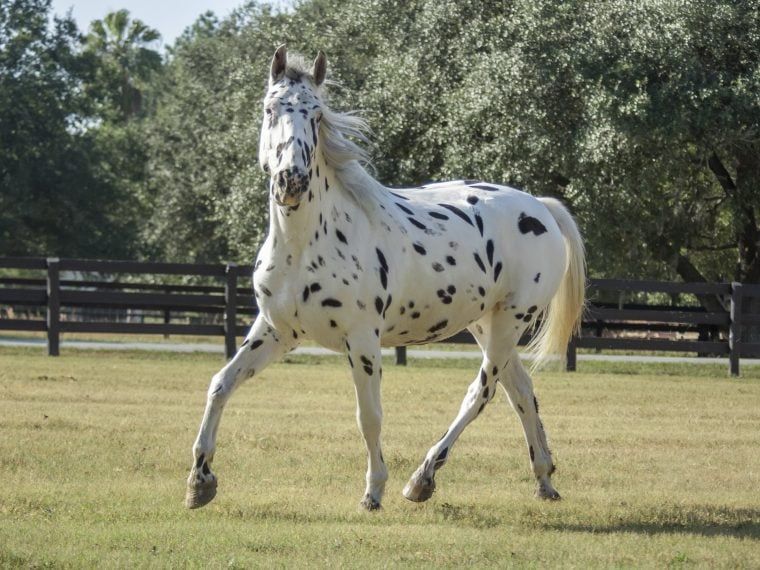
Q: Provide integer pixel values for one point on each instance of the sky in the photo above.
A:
(169, 18)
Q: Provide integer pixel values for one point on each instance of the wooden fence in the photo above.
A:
(610, 323)
(223, 300)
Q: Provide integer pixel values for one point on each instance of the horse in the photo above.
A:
(357, 266)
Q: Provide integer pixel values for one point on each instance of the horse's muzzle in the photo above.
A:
(289, 185)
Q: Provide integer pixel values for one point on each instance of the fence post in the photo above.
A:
(53, 306)
(167, 320)
(735, 328)
(230, 310)
(401, 355)
(571, 358)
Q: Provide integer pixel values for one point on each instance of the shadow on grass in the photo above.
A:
(703, 520)
(700, 520)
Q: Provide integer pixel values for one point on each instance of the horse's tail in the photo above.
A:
(562, 317)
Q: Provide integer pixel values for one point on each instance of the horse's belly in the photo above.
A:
(418, 319)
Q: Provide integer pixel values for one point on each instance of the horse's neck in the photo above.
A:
(298, 227)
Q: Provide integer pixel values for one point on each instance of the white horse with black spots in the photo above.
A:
(356, 266)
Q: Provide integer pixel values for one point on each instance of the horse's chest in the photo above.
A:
(313, 294)
(274, 288)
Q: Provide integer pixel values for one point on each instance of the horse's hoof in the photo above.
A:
(200, 493)
(418, 490)
(369, 504)
(546, 492)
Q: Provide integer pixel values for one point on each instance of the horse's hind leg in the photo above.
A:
(519, 388)
(262, 346)
(497, 342)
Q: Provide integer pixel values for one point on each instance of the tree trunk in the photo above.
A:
(741, 194)
(689, 273)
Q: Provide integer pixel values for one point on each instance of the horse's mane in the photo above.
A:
(343, 135)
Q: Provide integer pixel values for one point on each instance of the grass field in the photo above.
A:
(659, 466)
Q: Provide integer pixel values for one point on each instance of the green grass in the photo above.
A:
(658, 466)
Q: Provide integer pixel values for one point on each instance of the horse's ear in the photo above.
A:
(319, 69)
(279, 63)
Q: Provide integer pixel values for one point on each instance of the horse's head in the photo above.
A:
(289, 134)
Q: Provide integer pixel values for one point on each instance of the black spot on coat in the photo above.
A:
(486, 187)
(527, 224)
(457, 211)
(404, 209)
(479, 222)
(489, 252)
(417, 223)
(381, 259)
(497, 271)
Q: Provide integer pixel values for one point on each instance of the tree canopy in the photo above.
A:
(643, 117)
(55, 194)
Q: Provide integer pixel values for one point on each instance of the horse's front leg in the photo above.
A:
(366, 367)
(262, 346)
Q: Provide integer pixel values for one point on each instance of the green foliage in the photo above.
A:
(54, 196)
(617, 109)
(643, 117)
(208, 195)
(125, 63)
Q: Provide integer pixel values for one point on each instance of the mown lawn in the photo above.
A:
(658, 466)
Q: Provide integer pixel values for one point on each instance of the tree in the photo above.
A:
(53, 199)
(126, 61)
(642, 117)
(208, 195)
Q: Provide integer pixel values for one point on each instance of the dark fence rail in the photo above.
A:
(63, 294)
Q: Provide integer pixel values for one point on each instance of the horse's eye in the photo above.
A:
(266, 168)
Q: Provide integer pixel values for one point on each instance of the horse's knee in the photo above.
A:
(223, 383)
(370, 420)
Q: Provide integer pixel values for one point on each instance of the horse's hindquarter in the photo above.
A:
(465, 250)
